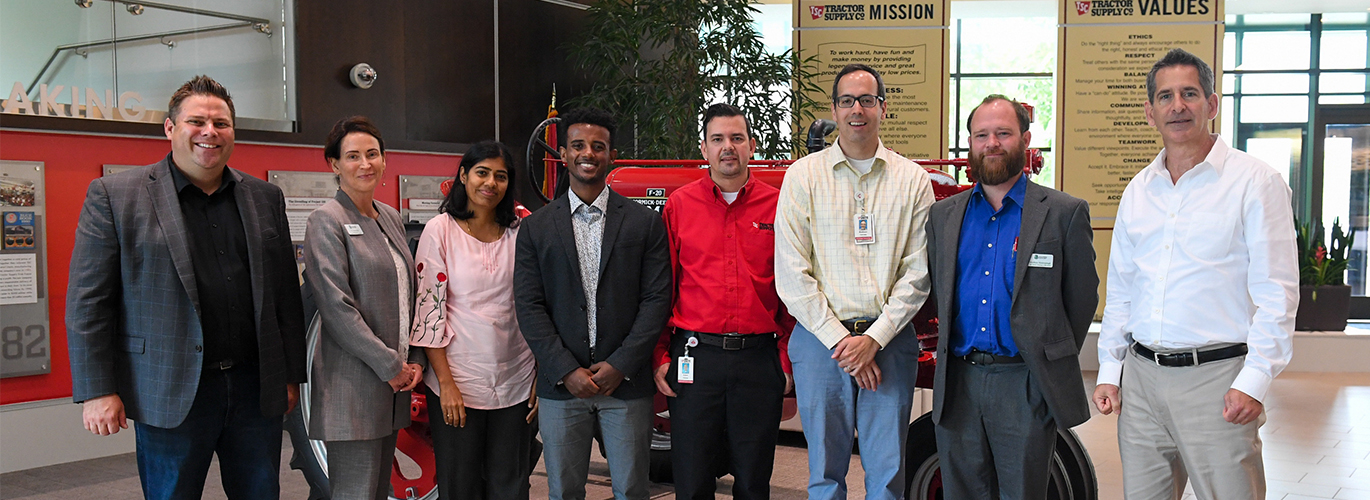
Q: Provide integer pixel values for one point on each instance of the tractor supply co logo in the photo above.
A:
(872, 12)
(1103, 8)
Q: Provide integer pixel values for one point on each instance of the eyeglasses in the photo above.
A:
(867, 101)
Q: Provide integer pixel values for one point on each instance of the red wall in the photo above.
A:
(71, 161)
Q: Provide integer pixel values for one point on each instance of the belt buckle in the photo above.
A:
(1194, 352)
(733, 343)
(1156, 356)
(860, 325)
(225, 364)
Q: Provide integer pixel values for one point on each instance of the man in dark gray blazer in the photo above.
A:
(1013, 272)
(592, 281)
(183, 310)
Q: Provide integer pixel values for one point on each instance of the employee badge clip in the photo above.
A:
(685, 365)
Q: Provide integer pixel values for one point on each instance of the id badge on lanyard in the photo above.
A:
(863, 226)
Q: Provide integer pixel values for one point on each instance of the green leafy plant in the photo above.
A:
(1321, 264)
(658, 63)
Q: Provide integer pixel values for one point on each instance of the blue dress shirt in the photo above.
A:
(986, 257)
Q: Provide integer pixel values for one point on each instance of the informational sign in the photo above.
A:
(905, 42)
(420, 197)
(24, 339)
(304, 192)
(1106, 49)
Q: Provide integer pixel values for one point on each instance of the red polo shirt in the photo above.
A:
(723, 263)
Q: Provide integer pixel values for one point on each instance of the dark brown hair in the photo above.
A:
(200, 85)
(1024, 119)
(332, 149)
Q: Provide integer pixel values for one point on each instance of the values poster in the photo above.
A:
(905, 42)
(1106, 49)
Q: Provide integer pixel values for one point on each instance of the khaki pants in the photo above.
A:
(1171, 429)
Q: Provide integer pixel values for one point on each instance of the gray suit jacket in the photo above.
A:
(1052, 307)
(355, 287)
(634, 294)
(132, 321)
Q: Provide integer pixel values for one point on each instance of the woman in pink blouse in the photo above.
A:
(481, 377)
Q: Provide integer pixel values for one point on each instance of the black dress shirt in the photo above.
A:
(218, 251)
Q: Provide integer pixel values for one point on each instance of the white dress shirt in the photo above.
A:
(1207, 260)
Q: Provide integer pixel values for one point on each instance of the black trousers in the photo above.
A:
(486, 459)
(731, 413)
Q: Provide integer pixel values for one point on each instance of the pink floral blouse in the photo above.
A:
(465, 302)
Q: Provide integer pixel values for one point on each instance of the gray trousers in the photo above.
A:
(996, 434)
(568, 428)
(360, 470)
(1171, 429)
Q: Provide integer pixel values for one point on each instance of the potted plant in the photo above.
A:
(1324, 297)
(659, 63)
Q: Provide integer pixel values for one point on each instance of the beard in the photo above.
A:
(997, 171)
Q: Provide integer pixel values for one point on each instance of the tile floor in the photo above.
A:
(1317, 446)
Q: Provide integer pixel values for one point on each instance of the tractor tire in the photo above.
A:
(1072, 472)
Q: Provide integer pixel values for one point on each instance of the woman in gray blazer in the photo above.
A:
(362, 275)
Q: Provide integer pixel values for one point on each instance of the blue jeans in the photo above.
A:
(225, 419)
(567, 428)
(832, 409)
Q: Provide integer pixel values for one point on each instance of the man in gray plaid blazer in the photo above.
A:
(183, 310)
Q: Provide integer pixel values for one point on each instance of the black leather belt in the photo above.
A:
(732, 341)
(858, 326)
(1193, 357)
(986, 358)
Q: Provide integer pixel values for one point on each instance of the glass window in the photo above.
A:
(1225, 118)
(1332, 83)
(1343, 50)
(1275, 50)
(1229, 83)
(1047, 177)
(1277, 83)
(1229, 51)
(1344, 18)
(1040, 92)
(1275, 109)
(1341, 99)
(247, 45)
(1276, 151)
(773, 21)
(983, 49)
(1274, 19)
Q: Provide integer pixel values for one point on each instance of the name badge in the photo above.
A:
(864, 229)
(1041, 260)
(353, 229)
(685, 369)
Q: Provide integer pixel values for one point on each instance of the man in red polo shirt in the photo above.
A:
(722, 358)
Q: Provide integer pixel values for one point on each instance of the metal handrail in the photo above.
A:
(195, 11)
(83, 45)
(262, 26)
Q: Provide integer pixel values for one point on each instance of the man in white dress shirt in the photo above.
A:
(1202, 290)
